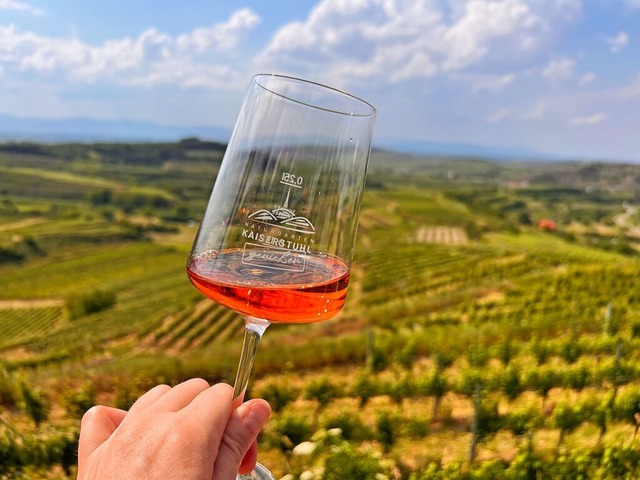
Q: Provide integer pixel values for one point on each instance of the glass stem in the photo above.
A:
(253, 331)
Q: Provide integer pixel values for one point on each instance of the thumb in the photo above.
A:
(240, 434)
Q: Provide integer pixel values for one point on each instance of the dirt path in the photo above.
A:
(27, 222)
(26, 304)
(622, 220)
(442, 235)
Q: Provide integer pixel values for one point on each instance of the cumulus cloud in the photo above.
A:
(498, 115)
(151, 58)
(557, 70)
(20, 6)
(618, 42)
(537, 111)
(221, 37)
(586, 79)
(401, 40)
(594, 119)
(491, 83)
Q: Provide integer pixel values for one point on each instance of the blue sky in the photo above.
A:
(560, 77)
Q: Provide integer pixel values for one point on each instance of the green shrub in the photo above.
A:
(8, 390)
(364, 387)
(79, 401)
(35, 404)
(627, 407)
(567, 417)
(522, 421)
(417, 427)
(278, 394)
(323, 391)
(511, 383)
(505, 351)
(92, 302)
(388, 425)
(403, 388)
(126, 396)
(489, 420)
(8, 256)
(291, 431)
(346, 462)
(407, 355)
(353, 428)
(635, 330)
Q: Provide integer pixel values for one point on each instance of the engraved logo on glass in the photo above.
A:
(283, 237)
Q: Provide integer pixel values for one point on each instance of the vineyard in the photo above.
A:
(473, 345)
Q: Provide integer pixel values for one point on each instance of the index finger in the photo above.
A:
(213, 408)
(97, 425)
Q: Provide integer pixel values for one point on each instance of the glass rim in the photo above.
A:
(256, 78)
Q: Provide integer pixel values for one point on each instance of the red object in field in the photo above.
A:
(548, 225)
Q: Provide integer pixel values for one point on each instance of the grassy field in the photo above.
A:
(473, 344)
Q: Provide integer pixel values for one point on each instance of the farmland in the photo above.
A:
(476, 342)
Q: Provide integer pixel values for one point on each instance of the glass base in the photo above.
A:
(260, 472)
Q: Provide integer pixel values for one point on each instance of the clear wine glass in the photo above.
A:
(276, 241)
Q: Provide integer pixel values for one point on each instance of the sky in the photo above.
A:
(559, 77)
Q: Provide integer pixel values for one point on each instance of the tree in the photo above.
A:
(102, 197)
(542, 381)
(278, 395)
(567, 418)
(35, 404)
(88, 303)
(511, 384)
(78, 402)
(523, 421)
(8, 390)
(388, 425)
(403, 388)
(347, 462)
(323, 391)
(435, 386)
(505, 351)
(364, 388)
(627, 408)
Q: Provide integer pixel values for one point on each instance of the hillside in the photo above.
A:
(492, 326)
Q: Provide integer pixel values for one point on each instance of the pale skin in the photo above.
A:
(190, 431)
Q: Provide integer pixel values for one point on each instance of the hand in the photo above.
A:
(190, 431)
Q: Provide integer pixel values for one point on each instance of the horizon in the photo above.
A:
(424, 150)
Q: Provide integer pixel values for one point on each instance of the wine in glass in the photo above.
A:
(276, 241)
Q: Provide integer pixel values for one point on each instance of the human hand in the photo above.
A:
(190, 431)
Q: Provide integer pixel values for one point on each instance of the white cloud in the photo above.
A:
(498, 115)
(537, 112)
(470, 38)
(20, 6)
(491, 83)
(557, 70)
(151, 58)
(618, 42)
(586, 79)
(594, 119)
(220, 37)
(388, 41)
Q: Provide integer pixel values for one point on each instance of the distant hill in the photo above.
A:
(418, 147)
(521, 173)
(14, 128)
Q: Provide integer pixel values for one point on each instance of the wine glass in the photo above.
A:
(276, 241)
